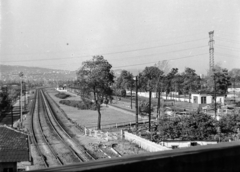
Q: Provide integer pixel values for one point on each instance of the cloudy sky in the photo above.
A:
(61, 34)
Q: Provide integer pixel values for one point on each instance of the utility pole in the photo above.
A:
(131, 95)
(25, 97)
(234, 90)
(12, 114)
(136, 103)
(215, 96)
(150, 97)
(20, 100)
(211, 50)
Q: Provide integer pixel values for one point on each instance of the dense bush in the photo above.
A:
(195, 127)
(144, 107)
(83, 105)
(62, 95)
(120, 92)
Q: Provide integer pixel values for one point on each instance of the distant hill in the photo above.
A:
(8, 72)
(135, 72)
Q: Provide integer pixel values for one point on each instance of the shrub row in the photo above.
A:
(62, 95)
(83, 105)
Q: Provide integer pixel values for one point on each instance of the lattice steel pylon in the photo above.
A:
(211, 50)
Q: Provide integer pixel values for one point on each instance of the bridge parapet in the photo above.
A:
(215, 158)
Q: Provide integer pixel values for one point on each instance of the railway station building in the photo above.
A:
(14, 148)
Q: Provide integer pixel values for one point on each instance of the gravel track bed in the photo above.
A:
(51, 160)
(63, 151)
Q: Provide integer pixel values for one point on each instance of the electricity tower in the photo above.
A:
(211, 51)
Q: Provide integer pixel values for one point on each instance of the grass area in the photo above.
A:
(89, 118)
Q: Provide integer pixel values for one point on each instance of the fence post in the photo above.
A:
(90, 132)
(85, 131)
(107, 136)
(116, 125)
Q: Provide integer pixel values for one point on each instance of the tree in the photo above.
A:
(95, 76)
(195, 127)
(191, 81)
(5, 101)
(164, 66)
(199, 127)
(125, 80)
(222, 81)
(178, 81)
(168, 80)
(150, 76)
(229, 127)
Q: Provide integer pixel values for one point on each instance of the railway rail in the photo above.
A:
(43, 120)
(54, 137)
(43, 148)
(66, 135)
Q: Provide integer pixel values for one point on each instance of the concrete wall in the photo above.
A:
(146, 94)
(143, 143)
(232, 89)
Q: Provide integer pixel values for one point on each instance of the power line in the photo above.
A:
(127, 50)
(233, 49)
(228, 55)
(102, 54)
(164, 59)
(108, 46)
(227, 39)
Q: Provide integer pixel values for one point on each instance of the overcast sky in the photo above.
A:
(61, 34)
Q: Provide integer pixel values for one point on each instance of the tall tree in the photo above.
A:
(126, 81)
(164, 66)
(5, 101)
(168, 80)
(221, 81)
(191, 81)
(150, 76)
(95, 76)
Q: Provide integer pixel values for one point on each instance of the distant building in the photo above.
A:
(14, 148)
(206, 98)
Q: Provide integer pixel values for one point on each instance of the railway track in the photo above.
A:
(80, 150)
(54, 137)
(48, 155)
(53, 144)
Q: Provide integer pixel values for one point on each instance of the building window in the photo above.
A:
(203, 100)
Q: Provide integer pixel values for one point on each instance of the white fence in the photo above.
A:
(143, 143)
(103, 135)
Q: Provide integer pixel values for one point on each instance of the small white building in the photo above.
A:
(206, 98)
(201, 98)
